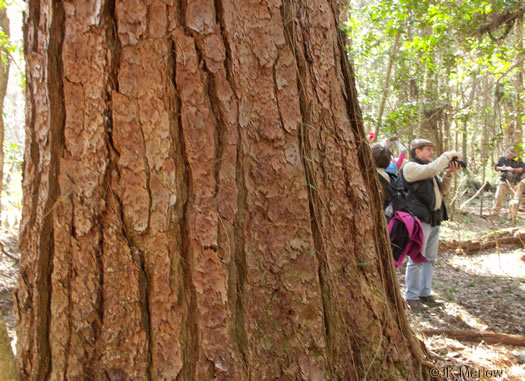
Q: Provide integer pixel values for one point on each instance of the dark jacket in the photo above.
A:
(422, 199)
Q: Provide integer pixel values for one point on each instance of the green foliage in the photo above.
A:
(13, 154)
(8, 46)
(12, 184)
(444, 58)
(401, 117)
(10, 49)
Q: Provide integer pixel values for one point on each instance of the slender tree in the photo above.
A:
(7, 361)
(395, 47)
(199, 199)
(4, 77)
(520, 93)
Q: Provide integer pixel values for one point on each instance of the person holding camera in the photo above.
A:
(426, 190)
(511, 168)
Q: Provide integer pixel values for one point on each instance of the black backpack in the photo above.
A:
(396, 200)
(396, 196)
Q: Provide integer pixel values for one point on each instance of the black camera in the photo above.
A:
(462, 163)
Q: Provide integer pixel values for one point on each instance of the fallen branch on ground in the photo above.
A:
(476, 336)
(483, 187)
(499, 237)
(4, 251)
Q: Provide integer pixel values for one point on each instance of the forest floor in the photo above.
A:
(483, 291)
(9, 277)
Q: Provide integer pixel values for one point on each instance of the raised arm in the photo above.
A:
(415, 172)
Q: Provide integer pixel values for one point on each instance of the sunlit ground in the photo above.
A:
(484, 291)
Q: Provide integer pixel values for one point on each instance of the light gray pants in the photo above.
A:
(419, 276)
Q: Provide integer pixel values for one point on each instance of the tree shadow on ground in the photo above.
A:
(474, 299)
(482, 292)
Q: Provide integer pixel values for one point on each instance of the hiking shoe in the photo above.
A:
(430, 301)
(416, 305)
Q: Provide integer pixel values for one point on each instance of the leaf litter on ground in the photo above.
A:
(481, 292)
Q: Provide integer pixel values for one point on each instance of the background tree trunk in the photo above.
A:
(4, 77)
(520, 97)
(393, 52)
(509, 121)
(7, 361)
(489, 122)
(199, 199)
(464, 137)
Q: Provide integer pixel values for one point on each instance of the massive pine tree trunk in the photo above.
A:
(199, 200)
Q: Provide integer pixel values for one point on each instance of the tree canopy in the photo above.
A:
(456, 70)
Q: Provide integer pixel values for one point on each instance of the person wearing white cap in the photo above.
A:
(426, 190)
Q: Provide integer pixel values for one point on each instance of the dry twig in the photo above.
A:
(476, 336)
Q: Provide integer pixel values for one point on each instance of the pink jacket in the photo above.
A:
(415, 237)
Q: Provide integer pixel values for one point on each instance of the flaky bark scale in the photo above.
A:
(199, 201)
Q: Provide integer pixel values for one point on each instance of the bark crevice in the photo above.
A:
(276, 86)
(190, 351)
(114, 48)
(238, 271)
(240, 257)
(56, 138)
(214, 103)
(220, 19)
(70, 304)
(351, 101)
(144, 288)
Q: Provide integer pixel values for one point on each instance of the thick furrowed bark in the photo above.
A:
(199, 203)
